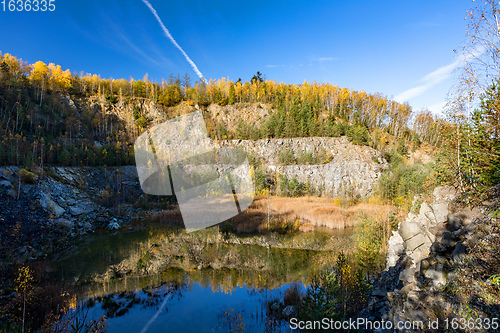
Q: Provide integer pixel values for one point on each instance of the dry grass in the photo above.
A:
(171, 218)
(308, 211)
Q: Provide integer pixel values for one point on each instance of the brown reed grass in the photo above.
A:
(325, 212)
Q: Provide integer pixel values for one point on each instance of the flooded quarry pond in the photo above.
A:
(159, 279)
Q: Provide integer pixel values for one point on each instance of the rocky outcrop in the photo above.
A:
(62, 204)
(76, 194)
(417, 234)
(349, 170)
(424, 255)
(50, 206)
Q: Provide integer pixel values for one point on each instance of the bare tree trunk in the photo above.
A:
(41, 94)
(17, 116)
(24, 308)
(41, 155)
(458, 159)
(18, 190)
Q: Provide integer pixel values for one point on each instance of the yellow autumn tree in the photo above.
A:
(39, 76)
(59, 79)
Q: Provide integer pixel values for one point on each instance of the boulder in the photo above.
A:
(454, 223)
(425, 210)
(430, 236)
(113, 226)
(408, 275)
(459, 253)
(440, 211)
(63, 223)
(409, 287)
(81, 208)
(415, 242)
(413, 296)
(442, 260)
(50, 206)
(419, 254)
(446, 193)
(426, 263)
(6, 184)
(446, 236)
(289, 310)
(395, 249)
(448, 244)
(408, 229)
(379, 292)
(275, 306)
(438, 275)
(62, 203)
(438, 247)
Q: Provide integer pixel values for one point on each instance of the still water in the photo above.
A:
(190, 308)
(221, 288)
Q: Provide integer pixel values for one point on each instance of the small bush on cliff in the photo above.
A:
(312, 158)
(293, 188)
(286, 157)
(26, 176)
(306, 157)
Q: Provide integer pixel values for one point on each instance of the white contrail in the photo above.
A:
(162, 307)
(167, 33)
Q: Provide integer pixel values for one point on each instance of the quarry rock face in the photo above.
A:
(351, 171)
(348, 170)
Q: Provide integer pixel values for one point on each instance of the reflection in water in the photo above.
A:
(157, 280)
(189, 308)
(135, 260)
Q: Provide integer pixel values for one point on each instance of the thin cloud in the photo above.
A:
(160, 61)
(429, 81)
(433, 78)
(321, 59)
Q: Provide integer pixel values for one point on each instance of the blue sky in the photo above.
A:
(402, 49)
